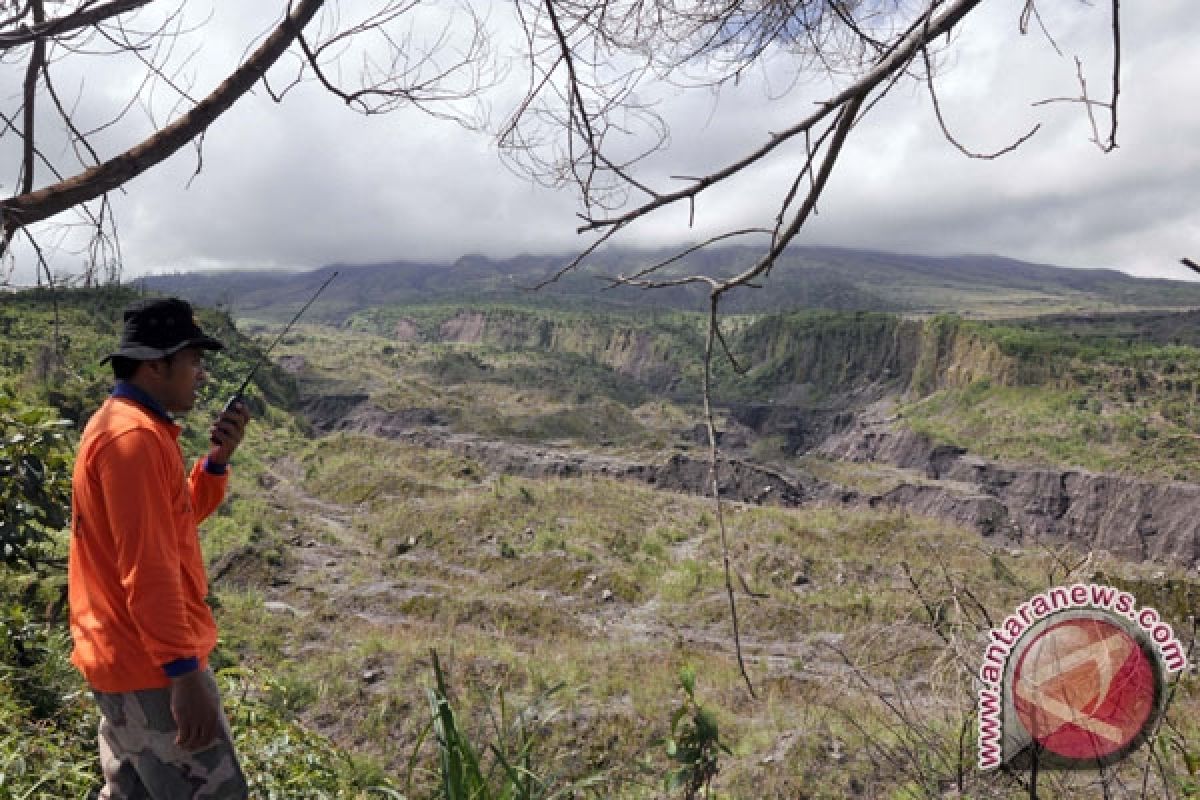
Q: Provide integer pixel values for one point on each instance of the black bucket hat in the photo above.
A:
(158, 328)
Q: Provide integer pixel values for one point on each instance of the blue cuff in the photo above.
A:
(181, 666)
(214, 467)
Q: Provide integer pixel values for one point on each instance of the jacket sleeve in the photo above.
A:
(144, 510)
(208, 490)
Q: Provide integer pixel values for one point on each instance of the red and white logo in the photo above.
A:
(1073, 678)
(1084, 689)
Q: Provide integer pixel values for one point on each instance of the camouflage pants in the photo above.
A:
(140, 760)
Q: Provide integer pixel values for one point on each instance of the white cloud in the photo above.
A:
(307, 182)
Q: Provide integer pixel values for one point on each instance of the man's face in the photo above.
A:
(179, 378)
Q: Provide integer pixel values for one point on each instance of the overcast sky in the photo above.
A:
(308, 183)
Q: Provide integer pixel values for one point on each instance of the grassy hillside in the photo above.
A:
(49, 370)
(1113, 398)
(570, 615)
(608, 590)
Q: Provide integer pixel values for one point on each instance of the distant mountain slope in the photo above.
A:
(804, 277)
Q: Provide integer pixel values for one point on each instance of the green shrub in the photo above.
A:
(35, 480)
(505, 768)
(695, 744)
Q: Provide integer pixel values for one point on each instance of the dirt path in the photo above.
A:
(331, 567)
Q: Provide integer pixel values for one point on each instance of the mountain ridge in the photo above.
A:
(803, 277)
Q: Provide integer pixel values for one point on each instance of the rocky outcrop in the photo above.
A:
(802, 428)
(983, 512)
(465, 327)
(739, 480)
(1132, 518)
(352, 413)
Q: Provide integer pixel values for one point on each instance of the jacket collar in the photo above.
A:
(128, 391)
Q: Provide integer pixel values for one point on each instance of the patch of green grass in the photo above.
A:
(355, 469)
(1095, 430)
(535, 619)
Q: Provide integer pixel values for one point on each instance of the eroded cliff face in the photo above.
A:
(1018, 505)
(953, 355)
(841, 355)
(1133, 518)
(816, 382)
(1136, 519)
(654, 357)
(809, 358)
(835, 353)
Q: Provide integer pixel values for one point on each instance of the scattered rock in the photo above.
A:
(292, 364)
(742, 481)
(326, 410)
(607, 596)
(277, 607)
(398, 547)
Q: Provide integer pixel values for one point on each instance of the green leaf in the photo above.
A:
(706, 725)
(687, 679)
(676, 717)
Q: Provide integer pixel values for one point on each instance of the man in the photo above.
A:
(137, 584)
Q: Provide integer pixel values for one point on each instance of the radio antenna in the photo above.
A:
(237, 396)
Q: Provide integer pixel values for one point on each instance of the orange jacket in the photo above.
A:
(136, 573)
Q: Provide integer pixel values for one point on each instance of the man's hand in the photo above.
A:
(195, 707)
(226, 433)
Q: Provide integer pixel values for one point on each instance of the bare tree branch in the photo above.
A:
(715, 482)
(937, 110)
(951, 13)
(392, 70)
(1116, 76)
(37, 63)
(86, 16)
(34, 206)
(580, 119)
(413, 73)
(658, 265)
